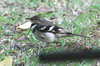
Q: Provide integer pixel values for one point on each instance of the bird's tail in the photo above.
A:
(71, 34)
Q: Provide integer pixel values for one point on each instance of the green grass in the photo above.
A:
(77, 16)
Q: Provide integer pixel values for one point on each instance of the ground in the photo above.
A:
(77, 16)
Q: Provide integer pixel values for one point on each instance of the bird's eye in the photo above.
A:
(36, 18)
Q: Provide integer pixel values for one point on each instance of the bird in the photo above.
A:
(46, 31)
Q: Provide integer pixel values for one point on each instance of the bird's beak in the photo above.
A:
(27, 18)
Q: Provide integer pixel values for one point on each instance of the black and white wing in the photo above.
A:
(50, 28)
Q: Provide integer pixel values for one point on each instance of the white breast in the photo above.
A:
(44, 37)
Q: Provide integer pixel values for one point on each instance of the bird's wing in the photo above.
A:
(50, 28)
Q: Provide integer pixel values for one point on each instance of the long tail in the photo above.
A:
(71, 34)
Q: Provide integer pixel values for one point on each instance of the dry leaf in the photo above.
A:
(25, 25)
(6, 62)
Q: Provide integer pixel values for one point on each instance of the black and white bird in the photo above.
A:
(46, 31)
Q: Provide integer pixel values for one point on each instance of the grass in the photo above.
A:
(77, 16)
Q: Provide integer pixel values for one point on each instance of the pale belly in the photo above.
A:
(45, 37)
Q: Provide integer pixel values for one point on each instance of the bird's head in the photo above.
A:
(34, 18)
